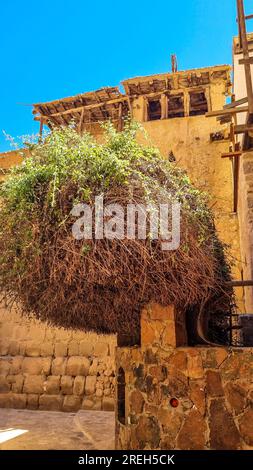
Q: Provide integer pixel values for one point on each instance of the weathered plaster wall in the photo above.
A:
(213, 387)
(52, 369)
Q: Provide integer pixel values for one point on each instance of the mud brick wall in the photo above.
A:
(213, 388)
(53, 369)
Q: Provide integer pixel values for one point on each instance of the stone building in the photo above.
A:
(47, 368)
(174, 397)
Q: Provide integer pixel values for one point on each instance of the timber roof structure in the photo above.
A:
(110, 104)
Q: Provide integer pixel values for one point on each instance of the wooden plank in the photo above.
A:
(225, 112)
(236, 103)
(231, 154)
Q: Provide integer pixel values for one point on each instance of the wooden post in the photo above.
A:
(80, 125)
(41, 130)
(120, 117)
(145, 109)
(164, 106)
(186, 98)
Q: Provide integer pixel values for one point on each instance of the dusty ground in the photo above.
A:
(28, 430)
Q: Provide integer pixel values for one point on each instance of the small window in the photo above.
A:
(121, 386)
(154, 110)
(198, 103)
(175, 106)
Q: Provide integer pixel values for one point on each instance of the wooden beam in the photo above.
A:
(231, 154)
(80, 108)
(242, 128)
(246, 61)
(236, 103)
(224, 112)
(241, 283)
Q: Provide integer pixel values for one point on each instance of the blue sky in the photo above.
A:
(52, 49)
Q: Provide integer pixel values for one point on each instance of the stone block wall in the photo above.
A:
(245, 212)
(180, 397)
(53, 369)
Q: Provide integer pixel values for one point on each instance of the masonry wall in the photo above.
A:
(213, 388)
(246, 222)
(52, 369)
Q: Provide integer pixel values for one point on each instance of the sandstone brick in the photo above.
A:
(14, 348)
(159, 372)
(47, 349)
(50, 402)
(214, 384)
(36, 365)
(4, 348)
(236, 397)
(107, 392)
(198, 396)
(248, 167)
(147, 332)
(224, 434)
(101, 349)
(178, 360)
(34, 384)
(148, 432)
(5, 400)
(195, 365)
(77, 366)
(93, 370)
(52, 385)
(72, 403)
(99, 392)
(16, 365)
(97, 405)
(221, 355)
(158, 312)
(16, 382)
(33, 349)
(4, 385)
(90, 385)
(67, 385)
(59, 366)
(61, 349)
(192, 433)
(136, 402)
(32, 401)
(171, 421)
(86, 348)
(18, 401)
(73, 348)
(79, 383)
(108, 404)
(87, 404)
(246, 426)
(169, 335)
(5, 365)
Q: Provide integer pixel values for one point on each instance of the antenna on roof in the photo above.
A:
(174, 67)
